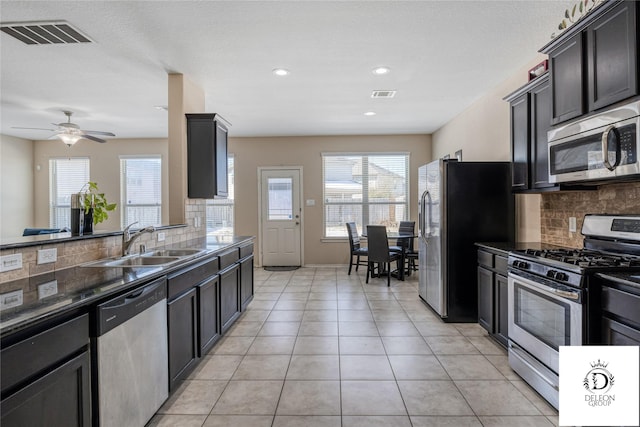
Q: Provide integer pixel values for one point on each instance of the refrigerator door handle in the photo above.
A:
(423, 217)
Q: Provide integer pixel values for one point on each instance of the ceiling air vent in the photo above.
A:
(383, 93)
(32, 33)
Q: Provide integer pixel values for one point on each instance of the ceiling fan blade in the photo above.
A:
(97, 132)
(93, 138)
(16, 127)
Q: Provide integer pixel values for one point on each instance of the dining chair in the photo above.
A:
(411, 255)
(355, 250)
(379, 251)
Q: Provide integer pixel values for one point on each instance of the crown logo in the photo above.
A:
(599, 364)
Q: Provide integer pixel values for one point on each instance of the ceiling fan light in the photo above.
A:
(69, 138)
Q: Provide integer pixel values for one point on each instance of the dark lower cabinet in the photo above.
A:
(492, 294)
(46, 375)
(182, 318)
(246, 281)
(616, 333)
(501, 299)
(208, 314)
(485, 298)
(620, 322)
(229, 296)
(62, 397)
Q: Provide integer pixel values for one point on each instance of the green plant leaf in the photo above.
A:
(566, 13)
(573, 11)
(580, 7)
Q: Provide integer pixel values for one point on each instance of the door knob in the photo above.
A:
(297, 223)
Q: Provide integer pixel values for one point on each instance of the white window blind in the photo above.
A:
(220, 211)
(66, 176)
(365, 188)
(141, 190)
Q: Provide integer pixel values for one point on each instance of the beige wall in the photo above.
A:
(252, 153)
(104, 169)
(482, 131)
(16, 185)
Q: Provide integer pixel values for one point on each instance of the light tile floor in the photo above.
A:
(317, 347)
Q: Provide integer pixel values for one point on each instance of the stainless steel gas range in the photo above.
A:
(549, 294)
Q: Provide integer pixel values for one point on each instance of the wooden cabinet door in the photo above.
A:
(615, 333)
(229, 296)
(208, 314)
(62, 397)
(485, 299)
(501, 313)
(567, 80)
(540, 124)
(612, 56)
(183, 337)
(246, 281)
(520, 143)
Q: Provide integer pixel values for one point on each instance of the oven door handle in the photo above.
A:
(568, 294)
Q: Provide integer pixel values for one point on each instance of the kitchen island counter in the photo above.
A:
(52, 294)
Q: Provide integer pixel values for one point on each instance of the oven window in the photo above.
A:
(545, 318)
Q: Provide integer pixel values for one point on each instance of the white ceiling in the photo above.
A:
(443, 56)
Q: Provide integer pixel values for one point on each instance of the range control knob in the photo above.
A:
(552, 273)
(562, 276)
(521, 264)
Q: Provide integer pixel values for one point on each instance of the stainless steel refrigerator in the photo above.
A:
(461, 203)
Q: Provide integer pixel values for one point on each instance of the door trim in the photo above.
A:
(300, 193)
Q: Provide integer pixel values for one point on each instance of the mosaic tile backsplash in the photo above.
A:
(557, 208)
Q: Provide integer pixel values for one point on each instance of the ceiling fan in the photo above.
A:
(70, 133)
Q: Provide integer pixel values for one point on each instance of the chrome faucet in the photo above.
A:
(128, 238)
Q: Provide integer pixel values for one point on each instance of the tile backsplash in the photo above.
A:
(82, 251)
(557, 208)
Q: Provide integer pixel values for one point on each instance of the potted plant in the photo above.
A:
(89, 206)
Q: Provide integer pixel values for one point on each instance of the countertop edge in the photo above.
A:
(7, 328)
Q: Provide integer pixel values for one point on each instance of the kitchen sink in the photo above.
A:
(143, 260)
(173, 253)
(155, 258)
(136, 261)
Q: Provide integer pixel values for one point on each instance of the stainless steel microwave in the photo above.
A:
(600, 147)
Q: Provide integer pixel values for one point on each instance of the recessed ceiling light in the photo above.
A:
(380, 71)
(281, 72)
(370, 113)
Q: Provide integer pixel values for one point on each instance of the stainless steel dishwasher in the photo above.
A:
(132, 355)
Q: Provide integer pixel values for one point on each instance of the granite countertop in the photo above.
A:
(78, 286)
(629, 278)
(516, 246)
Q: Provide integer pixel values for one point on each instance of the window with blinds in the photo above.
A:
(66, 176)
(365, 188)
(220, 211)
(141, 190)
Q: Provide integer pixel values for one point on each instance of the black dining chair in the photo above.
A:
(379, 251)
(411, 255)
(355, 250)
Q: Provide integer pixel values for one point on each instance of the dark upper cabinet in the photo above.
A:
(540, 116)
(612, 58)
(530, 120)
(594, 63)
(567, 80)
(206, 156)
(520, 142)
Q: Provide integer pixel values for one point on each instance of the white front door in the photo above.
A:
(280, 217)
